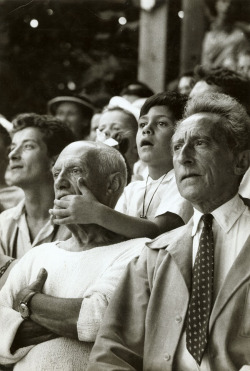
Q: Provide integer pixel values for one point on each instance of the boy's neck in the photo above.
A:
(156, 173)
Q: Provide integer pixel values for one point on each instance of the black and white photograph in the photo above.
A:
(124, 185)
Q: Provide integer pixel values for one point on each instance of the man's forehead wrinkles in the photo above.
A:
(66, 161)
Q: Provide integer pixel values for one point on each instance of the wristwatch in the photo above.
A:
(23, 308)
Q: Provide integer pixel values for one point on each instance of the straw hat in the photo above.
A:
(82, 100)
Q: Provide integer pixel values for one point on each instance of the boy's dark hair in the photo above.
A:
(173, 100)
(5, 136)
(230, 82)
(56, 134)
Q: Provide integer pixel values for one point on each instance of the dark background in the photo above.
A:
(78, 47)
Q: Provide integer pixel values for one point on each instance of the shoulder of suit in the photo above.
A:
(162, 241)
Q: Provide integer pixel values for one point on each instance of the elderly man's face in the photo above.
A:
(69, 167)
(204, 166)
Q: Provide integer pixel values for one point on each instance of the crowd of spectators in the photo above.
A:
(82, 193)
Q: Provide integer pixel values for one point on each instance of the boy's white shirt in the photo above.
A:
(166, 199)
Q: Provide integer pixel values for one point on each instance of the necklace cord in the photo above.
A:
(144, 214)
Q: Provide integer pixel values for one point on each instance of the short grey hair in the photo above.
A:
(107, 160)
(235, 123)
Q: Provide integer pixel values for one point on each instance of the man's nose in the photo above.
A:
(61, 182)
(15, 153)
(185, 155)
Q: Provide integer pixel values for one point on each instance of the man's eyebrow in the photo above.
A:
(26, 140)
(156, 116)
(192, 137)
(201, 136)
(177, 140)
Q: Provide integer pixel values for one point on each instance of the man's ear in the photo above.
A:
(114, 184)
(242, 162)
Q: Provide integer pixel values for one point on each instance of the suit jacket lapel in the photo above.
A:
(181, 252)
(238, 273)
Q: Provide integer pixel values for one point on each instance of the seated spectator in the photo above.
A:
(51, 322)
(10, 196)
(221, 80)
(75, 111)
(161, 316)
(231, 83)
(119, 121)
(146, 208)
(228, 35)
(186, 82)
(36, 142)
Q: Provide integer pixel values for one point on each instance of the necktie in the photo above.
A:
(200, 303)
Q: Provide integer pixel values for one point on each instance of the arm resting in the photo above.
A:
(56, 314)
(30, 333)
(134, 227)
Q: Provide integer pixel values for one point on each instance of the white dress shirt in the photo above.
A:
(231, 228)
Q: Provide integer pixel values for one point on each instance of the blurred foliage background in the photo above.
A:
(56, 47)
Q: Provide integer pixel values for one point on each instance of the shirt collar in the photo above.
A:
(225, 215)
(20, 209)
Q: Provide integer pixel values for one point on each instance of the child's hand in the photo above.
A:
(75, 209)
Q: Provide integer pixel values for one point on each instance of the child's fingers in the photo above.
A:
(61, 203)
(63, 221)
(61, 213)
(81, 186)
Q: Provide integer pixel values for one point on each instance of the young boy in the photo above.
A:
(146, 208)
(119, 121)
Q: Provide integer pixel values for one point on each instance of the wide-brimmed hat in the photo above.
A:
(82, 100)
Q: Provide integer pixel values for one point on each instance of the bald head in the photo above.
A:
(96, 163)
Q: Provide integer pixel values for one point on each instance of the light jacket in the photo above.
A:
(145, 320)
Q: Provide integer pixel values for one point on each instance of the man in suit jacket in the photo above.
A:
(145, 327)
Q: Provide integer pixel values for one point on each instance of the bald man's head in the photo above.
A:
(97, 164)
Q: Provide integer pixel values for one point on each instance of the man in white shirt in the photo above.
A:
(149, 324)
(49, 320)
(37, 140)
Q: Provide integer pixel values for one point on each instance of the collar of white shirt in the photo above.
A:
(225, 215)
(168, 176)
